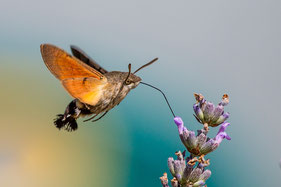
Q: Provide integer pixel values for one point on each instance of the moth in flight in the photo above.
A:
(94, 89)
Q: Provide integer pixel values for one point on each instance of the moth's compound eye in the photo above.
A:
(128, 82)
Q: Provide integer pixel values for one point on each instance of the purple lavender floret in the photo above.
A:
(200, 144)
(207, 113)
(222, 133)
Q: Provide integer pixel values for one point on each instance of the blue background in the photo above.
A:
(210, 47)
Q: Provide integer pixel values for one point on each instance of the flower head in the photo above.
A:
(207, 113)
(187, 174)
(200, 144)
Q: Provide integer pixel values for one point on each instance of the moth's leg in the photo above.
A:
(91, 118)
(82, 106)
(89, 108)
(100, 117)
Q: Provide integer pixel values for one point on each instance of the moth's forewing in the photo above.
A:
(64, 66)
(80, 80)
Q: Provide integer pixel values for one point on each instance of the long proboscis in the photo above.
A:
(145, 65)
(163, 95)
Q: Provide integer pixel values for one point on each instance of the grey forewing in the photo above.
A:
(81, 55)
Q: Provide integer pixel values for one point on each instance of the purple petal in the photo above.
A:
(220, 136)
(178, 121)
(226, 115)
(223, 127)
(227, 137)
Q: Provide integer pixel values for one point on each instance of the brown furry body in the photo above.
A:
(113, 93)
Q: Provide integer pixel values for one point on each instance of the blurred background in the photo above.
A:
(210, 47)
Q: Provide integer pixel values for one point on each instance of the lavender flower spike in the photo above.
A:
(209, 114)
(198, 144)
(190, 171)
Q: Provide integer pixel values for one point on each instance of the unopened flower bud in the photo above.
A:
(195, 174)
(171, 165)
(199, 183)
(205, 175)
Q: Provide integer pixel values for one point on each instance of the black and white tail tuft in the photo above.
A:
(67, 123)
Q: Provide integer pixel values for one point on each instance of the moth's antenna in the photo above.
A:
(163, 95)
(129, 67)
(149, 63)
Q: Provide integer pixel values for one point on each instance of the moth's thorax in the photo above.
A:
(115, 90)
(119, 77)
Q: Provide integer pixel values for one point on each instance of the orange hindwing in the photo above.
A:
(87, 90)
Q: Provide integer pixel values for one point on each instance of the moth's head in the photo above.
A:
(132, 81)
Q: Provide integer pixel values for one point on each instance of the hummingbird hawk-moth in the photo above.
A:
(94, 89)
